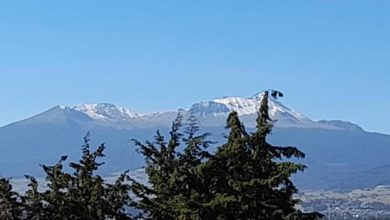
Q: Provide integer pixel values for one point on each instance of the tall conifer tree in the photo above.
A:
(80, 195)
(247, 178)
(251, 176)
(176, 187)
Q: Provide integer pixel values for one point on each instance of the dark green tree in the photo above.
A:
(251, 178)
(10, 203)
(176, 187)
(246, 178)
(188, 179)
(80, 195)
(161, 159)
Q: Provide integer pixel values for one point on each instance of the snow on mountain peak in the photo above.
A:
(258, 96)
(217, 108)
(106, 111)
(243, 106)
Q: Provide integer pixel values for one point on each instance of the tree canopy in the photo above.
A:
(79, 195)
(246, 178)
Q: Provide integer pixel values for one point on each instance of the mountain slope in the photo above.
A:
(336, 150)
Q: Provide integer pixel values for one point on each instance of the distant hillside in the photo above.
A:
(340, 155)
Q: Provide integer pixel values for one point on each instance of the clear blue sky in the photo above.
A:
(331, 58)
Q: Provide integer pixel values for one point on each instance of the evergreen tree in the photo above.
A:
(190, 193)
(176, 187)
(10, 206)
(161, 159)
(226, 171)
(251, 177)
(247, 178)
(81, 195)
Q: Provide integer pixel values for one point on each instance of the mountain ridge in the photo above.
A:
(334, 149)
(212, 112)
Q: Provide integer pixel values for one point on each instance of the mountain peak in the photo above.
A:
(60, 107)
(106, 111)
(243, 106)
(257, 96)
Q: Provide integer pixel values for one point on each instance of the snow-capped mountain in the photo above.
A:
(106, 111)
(217, 108)
(335, 149)
(210, 113)
(243, 106)
(247, 108)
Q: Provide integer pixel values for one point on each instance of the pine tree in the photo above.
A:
(34, 202)
(80, 195)
(247, 178)
(225, 171)
(10, 205)
(188, 177)
(251, 177)
(161, 159)
(176, 188)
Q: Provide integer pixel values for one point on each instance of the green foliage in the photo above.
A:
(177, 186)
(252, 177)
(246, 178)
(80, 195)
(10, 206)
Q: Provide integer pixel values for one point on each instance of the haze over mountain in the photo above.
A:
(340, 155)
